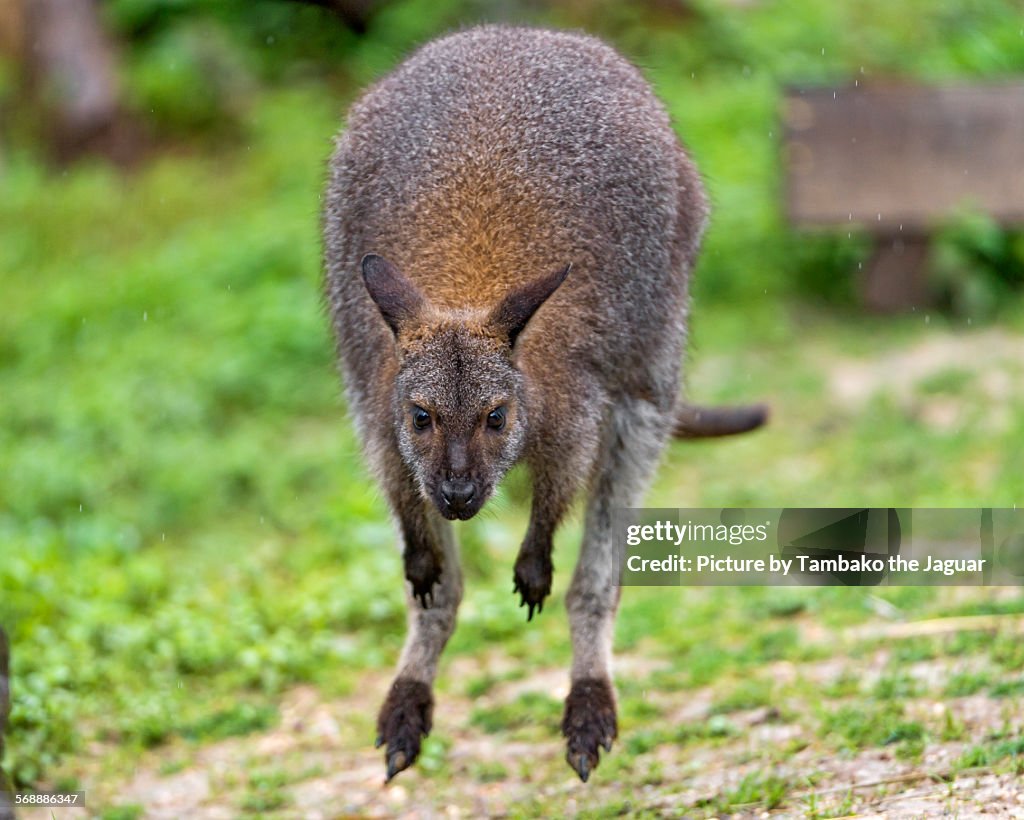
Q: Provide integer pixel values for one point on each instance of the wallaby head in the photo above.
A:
(459, 413)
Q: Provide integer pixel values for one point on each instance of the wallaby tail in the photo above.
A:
(693, 421)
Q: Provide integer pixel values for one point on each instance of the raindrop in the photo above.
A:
(927, 319)
(270, 39)
(145, 316)
(823, 50)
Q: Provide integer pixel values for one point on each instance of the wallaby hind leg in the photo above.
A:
(634, 438)
(406, 716)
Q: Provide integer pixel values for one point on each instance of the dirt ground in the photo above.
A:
(330, 769)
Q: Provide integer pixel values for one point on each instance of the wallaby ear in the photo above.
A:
(514, 311)
(398, 299)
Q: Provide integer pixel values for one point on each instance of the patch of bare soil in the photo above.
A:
(990, 358)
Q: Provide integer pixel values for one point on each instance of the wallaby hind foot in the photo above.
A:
(405, 718)
(589, 724)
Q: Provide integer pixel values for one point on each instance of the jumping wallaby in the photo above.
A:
(509, 226)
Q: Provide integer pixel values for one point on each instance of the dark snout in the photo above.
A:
(458, 498)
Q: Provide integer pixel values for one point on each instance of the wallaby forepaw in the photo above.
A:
(404, 720)
(532, 580)
(423, 571)
(589, 723)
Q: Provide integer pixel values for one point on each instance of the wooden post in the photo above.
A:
(70, 80)
(896, 277)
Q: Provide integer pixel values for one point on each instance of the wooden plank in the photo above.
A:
(886, 157)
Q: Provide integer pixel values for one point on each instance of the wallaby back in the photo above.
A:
(495, 155)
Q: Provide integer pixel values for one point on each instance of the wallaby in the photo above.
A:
(509, 226)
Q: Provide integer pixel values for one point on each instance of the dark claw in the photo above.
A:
(423, 572)
(396, 763)
(425, 597)
(532, 580)
(378, 742)
(583, 768)
(533, 606)
(607, 744)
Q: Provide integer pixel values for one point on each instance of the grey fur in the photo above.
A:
(481, 167)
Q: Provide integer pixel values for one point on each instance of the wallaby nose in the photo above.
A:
(457, 494)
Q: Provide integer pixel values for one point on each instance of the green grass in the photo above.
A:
(963, 684)
(748, 694)
(764, 790)
(866, 724)
(187, 529)
(530, 709)
(994, 752)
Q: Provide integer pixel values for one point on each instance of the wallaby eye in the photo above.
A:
(496, 418)
(420, 418)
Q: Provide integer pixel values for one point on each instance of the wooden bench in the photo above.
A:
(898, 160)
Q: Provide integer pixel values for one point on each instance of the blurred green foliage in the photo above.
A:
(186, 527)
(977, 265)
